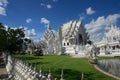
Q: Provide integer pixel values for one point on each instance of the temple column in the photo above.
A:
(60, 41)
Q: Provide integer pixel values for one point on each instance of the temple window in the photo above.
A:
(80, 39)
(117, 46)
(114, 38)
(68, 43)
(105, 47)
(64, 44)
(113, 47)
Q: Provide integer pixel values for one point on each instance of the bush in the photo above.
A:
(38, 52)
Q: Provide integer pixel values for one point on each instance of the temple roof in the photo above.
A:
(49, 33)
(69, 27)
(48, 27)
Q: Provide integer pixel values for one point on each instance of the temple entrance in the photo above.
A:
(80, 39)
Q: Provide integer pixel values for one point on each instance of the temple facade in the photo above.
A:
(69, 39)
(111, 43)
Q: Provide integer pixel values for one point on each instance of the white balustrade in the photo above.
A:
(18, 70)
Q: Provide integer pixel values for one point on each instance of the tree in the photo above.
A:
(90, 42)
(12, 40)
(15, 39)
(3, 37)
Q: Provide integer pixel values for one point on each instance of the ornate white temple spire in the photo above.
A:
(112, 26)
(49, 28)
(79, 23)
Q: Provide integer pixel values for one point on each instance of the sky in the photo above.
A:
(34, 15)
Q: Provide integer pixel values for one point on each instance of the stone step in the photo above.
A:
(3, 74)
(3, 71)
(2, 62)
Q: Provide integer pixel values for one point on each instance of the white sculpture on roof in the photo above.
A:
(113, 34)
(111, 44)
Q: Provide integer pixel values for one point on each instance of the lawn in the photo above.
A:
(113, 57)
(73, 67)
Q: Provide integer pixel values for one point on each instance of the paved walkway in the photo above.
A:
(3, 71)
(78, 55)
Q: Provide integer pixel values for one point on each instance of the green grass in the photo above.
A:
(73, 67)
(114, 57)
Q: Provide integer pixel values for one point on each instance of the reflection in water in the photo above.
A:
(112, 66)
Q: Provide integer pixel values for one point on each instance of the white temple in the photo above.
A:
(111, 44)
(70, 38)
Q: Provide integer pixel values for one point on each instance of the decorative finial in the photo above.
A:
(40, 72)
(40, 68)
(82, 77)
(35, 67)
(49, 26)
(62, 75)
(50, 75)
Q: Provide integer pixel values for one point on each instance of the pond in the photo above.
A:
(111, 66)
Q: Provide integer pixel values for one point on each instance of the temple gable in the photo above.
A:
(69, 34)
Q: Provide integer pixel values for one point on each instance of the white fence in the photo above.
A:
(18, 70)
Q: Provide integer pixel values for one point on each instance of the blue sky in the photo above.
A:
(34, 15)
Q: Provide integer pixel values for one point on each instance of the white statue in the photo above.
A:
(92, 51)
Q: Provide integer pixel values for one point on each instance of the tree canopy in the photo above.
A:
(11, 39)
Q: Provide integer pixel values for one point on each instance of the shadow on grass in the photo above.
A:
(69, 74)
(94, 76)
(39, 63)
(28, 58)
(89, 76)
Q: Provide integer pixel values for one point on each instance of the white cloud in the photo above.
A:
(82, 16)
(44, 20)
(6, 27)
(96, 28)
(33, 32)
(2, 11)
(46, 5)
(28, 20)
(49, 6)
(89, 11)
(55, 0)
(3, 4)
(30, 33)
(42, 4)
